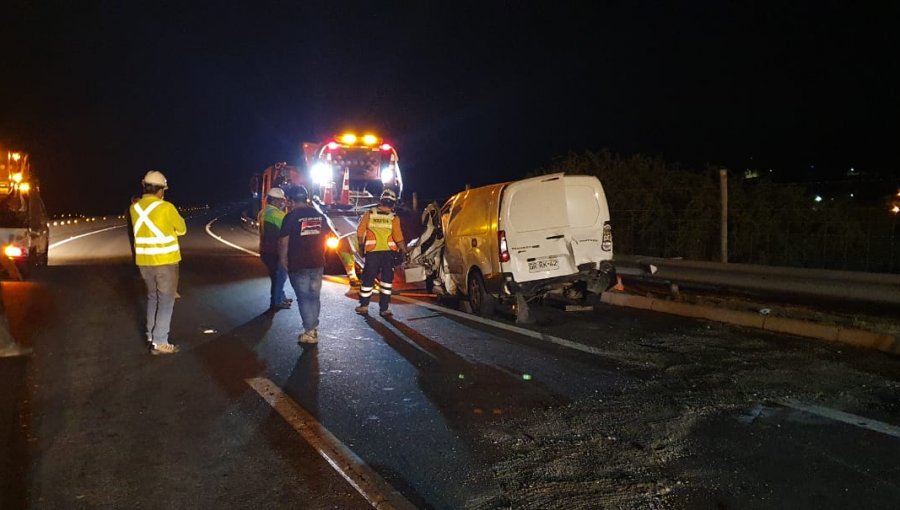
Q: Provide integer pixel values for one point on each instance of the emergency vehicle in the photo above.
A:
(24, 227)
(345, 176)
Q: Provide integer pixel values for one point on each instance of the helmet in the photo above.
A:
(156, 178)
(298, 194)
(276, 193)
(388, 194)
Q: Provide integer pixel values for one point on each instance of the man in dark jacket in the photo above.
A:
(301, 251)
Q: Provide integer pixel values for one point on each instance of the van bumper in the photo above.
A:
(597, 277)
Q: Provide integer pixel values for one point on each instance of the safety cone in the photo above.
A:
(329, 194)
(618, 286)
(345, 187)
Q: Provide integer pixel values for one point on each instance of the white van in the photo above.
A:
(514, 241)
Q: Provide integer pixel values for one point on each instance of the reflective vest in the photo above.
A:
(157, 226)
(270, 220)
(379, 232)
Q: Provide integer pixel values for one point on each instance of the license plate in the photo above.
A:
(543, 264)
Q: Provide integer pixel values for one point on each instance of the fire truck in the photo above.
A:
(24, 228)
(345, 176)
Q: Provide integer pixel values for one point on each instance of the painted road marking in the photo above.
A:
(841, 416)
(352, 468)
(64, 241)
(223, 241)
(537, 335)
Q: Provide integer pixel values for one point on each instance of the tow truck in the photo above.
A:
(24, 229)
(345, 176)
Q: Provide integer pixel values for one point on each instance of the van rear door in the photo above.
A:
(535, 221)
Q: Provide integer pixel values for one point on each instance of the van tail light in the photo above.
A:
(606, 243)
(12, 251)
(504, 248)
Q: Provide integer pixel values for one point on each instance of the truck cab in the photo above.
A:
(24, 225)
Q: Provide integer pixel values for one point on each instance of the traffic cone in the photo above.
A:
(345, 187)
(618, 286)
(329, 194)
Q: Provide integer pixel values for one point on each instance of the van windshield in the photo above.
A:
(13, 212)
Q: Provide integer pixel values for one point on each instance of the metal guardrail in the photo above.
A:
(876, 288)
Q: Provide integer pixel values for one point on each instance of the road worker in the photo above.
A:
(382, 242)
(157, 225)
(269, 221)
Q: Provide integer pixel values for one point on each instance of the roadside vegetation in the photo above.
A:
(660, 209)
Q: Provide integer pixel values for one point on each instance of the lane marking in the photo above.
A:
(537, 335)
(64, 241)
(364, 479)
(841, 416)
(223, 241)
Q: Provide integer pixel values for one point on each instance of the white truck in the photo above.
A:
(511, 242)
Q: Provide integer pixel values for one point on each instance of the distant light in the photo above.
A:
(387, 175)
(370, 139)
(209, 331)
(818, 198)
(851, 195)
(526, 377)
(896, 209)
(17, 177)
(386, 147)
(16, 156)
(24, 187)
(332, 242)
(852, 170)
(333, 145)
(348, 138)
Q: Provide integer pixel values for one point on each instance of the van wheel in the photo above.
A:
(480, 302)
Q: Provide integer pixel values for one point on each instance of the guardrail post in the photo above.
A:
(723, 189)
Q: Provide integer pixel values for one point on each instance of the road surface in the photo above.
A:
(614, 408)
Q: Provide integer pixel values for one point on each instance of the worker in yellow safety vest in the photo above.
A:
(381, 239)
(157, 225)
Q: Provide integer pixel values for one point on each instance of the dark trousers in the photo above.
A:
(277, 277)
(379, 264)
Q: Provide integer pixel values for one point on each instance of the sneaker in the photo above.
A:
(362, 310)
(163, 349)
(284, 305)
(386, 313)
(309, 337)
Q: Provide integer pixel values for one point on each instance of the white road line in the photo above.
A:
(64, 241)
(223, 241)
(841, 416)
(365, 480)
(508, 327)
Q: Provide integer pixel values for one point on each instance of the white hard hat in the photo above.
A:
(156, 178)
(276, 193)
(388, 194)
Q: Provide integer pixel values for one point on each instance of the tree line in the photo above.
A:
(660, 209)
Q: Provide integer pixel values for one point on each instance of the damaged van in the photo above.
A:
(512, 242)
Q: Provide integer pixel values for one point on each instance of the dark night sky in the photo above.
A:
(470, 93)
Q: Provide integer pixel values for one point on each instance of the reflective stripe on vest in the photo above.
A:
(149, 248)
(379, 233)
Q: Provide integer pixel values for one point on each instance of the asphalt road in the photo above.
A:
(428, 409)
